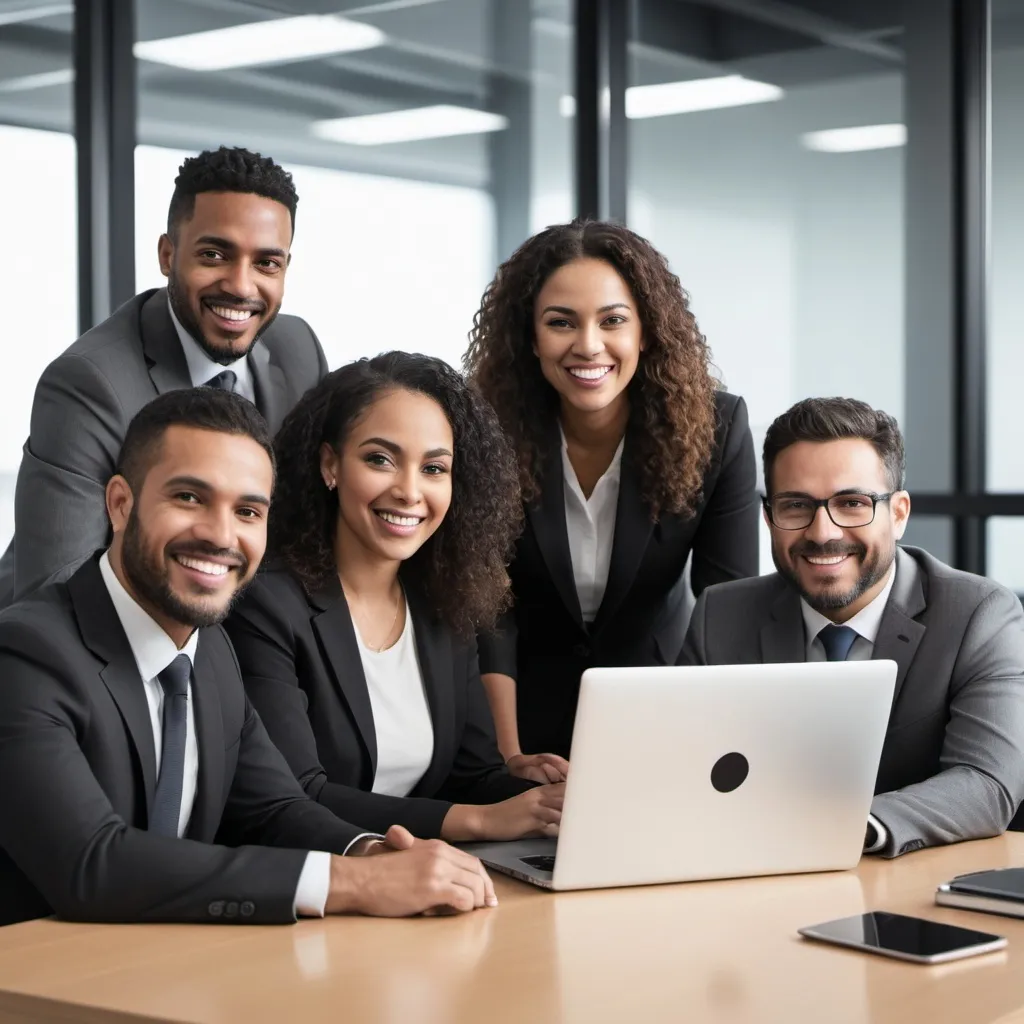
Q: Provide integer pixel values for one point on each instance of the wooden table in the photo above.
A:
(704, 951)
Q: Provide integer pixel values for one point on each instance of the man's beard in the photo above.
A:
(829, 599)
(183, 312)
(150, 580)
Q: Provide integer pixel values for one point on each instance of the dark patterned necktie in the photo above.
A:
(167, 799)
(837, 641)
(224, 381)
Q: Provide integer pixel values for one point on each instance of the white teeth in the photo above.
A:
(210, 568)
(390, 517)
(826, 561)
(585, 373)
(232, 314)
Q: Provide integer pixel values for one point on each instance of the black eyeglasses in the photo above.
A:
(847, 511)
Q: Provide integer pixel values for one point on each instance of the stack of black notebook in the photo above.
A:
(992, 892)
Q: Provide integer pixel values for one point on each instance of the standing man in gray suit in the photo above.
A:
(225, 256)
(952, 765)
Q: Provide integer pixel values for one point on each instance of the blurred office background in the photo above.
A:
(838, 183)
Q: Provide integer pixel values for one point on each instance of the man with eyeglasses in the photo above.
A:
(952, 766)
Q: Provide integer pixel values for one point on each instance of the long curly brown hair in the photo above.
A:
(671, 396)
(461, 568)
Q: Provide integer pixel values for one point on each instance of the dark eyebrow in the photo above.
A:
(195, 484)
(572, 312)
(837, 494)
(396, 449)
(223, 243)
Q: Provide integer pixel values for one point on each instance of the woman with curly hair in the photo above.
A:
(394, 513)
(631, 460)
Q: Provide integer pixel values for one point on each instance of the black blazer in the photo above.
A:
(83, 404)
(544, 643)
(79, 774)
(300, 661)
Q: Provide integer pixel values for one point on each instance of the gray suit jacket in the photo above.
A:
(83, 404)
(952, 765)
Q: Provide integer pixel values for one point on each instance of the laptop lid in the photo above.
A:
(685, 773)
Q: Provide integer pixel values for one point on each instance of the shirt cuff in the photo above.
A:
(314, 885)
(881, 835)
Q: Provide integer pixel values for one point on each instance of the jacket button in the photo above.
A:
(231, 910)
(248, 908)
(581, 650)
(216, 908)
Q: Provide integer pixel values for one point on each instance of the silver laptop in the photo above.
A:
(679, 774)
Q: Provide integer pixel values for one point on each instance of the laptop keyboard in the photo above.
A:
(541, 861)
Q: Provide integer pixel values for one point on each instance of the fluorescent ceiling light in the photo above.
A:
(697, 94)
(855, 140)
(43, 80)
(262, 42)
(687, 97)
(409, 125)
(35, 13)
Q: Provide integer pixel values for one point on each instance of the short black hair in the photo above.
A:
(229, 170)
(202, 408)
(836, 419)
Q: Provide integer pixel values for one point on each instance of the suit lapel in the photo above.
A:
(103, 634)
(271, 399)
(209, 667)
(899, 634)
(167, 366)
(337, 636)
(782, 635)
(434, 650)
(547, 519)
(633, 527)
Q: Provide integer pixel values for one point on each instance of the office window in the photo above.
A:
(37, 178)
(1006, 320)
(1006, 551)
(425, 141)
(766, 161)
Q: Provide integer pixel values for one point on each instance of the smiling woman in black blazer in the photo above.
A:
(631, 461)
(394, 513)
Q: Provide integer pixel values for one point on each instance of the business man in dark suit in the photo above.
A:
(225, 256)
(126, 739)
(952, 765)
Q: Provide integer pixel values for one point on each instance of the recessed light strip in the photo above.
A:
(409, 125)
(856, 140)
(278, 41)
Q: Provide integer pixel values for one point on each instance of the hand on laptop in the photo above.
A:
(536, 812)
(538, 767)
(416, 876)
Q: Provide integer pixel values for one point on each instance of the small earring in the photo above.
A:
(331, 485)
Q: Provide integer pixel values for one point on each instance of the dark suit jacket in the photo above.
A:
(83, 404)
(79, 774)
(952, 764)
(300, 661)
(544, 643)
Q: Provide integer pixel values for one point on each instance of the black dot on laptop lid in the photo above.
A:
(729, 772)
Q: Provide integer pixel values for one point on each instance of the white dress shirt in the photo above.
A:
(201, 367)
(154, 650)
(865, 624)
(401, 718)
(590, 524)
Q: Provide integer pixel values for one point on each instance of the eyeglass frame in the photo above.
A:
(817, 503)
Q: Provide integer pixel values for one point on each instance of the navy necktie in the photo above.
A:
(167, 801)
(837, 641)
(224, 381)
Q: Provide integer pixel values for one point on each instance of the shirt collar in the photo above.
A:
(154, 650)
(612, 473)
(865, 623)
(200, 366)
